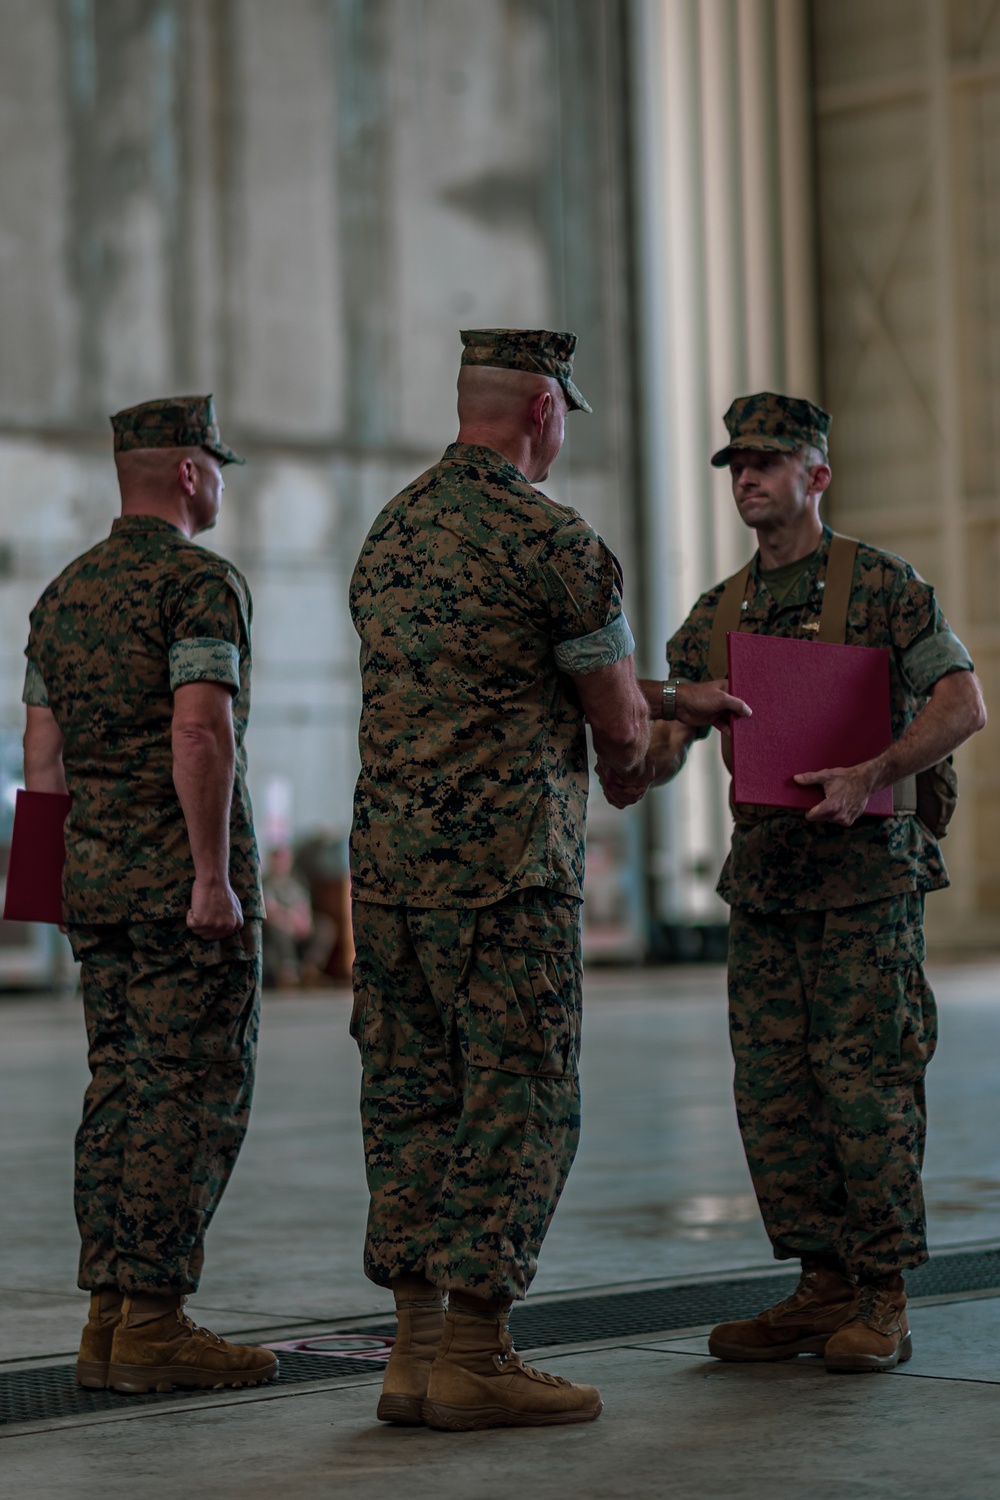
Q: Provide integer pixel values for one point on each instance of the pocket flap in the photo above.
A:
(900, 950)
(552, 931)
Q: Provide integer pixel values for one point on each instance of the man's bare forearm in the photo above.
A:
(43, 747)
(204, 772)
(626, 750)
(616, 711)
(953, 713)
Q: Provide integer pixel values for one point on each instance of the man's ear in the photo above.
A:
(819, 478)
(187, 475)
(541, 410)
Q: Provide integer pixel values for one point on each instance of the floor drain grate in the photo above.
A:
(42, 1394)
(629, 1314)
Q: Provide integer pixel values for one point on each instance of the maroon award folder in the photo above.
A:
(815, 705)
(37, 856)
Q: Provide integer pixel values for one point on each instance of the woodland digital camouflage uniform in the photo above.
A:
(171, 1018)
(473, 595)
(831, 1019)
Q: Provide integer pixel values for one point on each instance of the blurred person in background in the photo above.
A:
(137, 691)
(831, 1018)
(492, 632)
(288, 920)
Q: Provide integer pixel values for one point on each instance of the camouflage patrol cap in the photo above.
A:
(532, 349)
(773, 424)
(173, 422)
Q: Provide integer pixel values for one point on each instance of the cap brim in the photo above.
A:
(754, 445)
(223, 454)
(575, 397)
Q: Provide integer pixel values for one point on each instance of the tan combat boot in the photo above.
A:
(156, 1346)
(479, 1381)
(95, 1341)
(877, 1336)
(420, 1324)
(821, 1303)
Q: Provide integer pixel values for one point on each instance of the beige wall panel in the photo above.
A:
(861, 40)
(37, 314)
(973, 29)
(984, 573)
(977, 171)
(878, 308)
(285, 302)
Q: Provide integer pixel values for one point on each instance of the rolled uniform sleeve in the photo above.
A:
(933, 656)
(34, 694)
(926, 647)
(208, 630)
(582, 581)
(204, 659)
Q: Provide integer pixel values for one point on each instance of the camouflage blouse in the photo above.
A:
(473, 596)
(778, 861)
(126, 624)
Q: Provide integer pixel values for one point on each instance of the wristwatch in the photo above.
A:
(669, 710)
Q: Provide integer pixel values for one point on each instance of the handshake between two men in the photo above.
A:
(683, 712)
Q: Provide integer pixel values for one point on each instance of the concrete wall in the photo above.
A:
(296, 205)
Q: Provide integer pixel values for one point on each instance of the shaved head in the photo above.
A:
(517, 413)
(181, 485)
(152, 468)
(491, 394)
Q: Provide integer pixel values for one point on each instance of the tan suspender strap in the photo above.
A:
(833, 627)
(727, 617)
(837, 590)
(904, 795)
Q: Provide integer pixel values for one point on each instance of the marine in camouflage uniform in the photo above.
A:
(832, 1020)
(474, 595)
(171, 1016)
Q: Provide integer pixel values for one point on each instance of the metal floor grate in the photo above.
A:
(43, 1394)
(39, 1395)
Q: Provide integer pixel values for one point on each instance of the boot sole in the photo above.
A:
(404, 1411)
(444, 1418)
(872, 1364)
(92, 1374)
(740, 1353)
(137, 1380)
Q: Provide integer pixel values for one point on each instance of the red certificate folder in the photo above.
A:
(37, 856)
(815, 705)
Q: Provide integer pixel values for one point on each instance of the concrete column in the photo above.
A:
(727, 278)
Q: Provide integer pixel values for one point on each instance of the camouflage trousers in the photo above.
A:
(468, 1023)
(172, 1030)
(832, 1026)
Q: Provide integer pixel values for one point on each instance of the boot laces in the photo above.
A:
(509, 1359)
(194, 1330)
(802, 1293)
(872, 1304)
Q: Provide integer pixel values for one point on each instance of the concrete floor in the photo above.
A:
(659, 1191)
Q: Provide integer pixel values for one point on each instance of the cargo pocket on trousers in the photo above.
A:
(359, 1010)
(524, 993)
(905, 1014)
